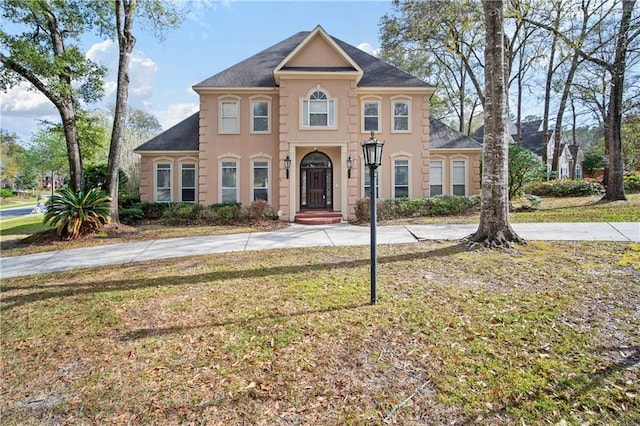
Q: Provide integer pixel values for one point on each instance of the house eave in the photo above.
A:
(395, 90)
(449, 150)
(156, 153)
(328, 75)
(200, 90)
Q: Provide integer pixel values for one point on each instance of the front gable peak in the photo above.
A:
(318, 52)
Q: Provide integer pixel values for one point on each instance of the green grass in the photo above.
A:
(543, 335)
(21, 226)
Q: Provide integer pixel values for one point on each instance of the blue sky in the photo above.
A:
(215, 36)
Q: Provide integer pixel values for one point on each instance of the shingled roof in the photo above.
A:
(184, 136)
(257, 71)
(442, 136)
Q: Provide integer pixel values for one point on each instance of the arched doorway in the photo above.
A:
(316, 182)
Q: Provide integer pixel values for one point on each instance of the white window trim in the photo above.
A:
(400, 156)
(466, 175)
(229, 99)
(371, 100)
(155, 179)
(443, 177)
(302, 126)
(193, 161)
(408, 101)
(261, 157)
(228, 158)
(260, 98)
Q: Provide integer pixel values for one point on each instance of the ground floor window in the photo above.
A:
(401, 178)
(261, 180)
(367, 182)
(163, 183)
(229, 182)
(459, 177)
(188, 183)
(578, 171)
(435, 178)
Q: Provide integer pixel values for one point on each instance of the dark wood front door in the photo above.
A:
(316, 188)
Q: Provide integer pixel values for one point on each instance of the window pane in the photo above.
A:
(229, 109)
(458, 190)
(260, 124)
(371, 123)
(188, 177)
(435, 173)
(332, 114)
(436, 190)
(458, 173)
(318, 119)
(305, 113)
(164, 178)
(401, 108)
(163, 195)
(260, 109)
(318, 106)
(371, 108)
(402, 172)
(228, 195)
(260, 194)
(188, 194)
(229, 124)
(400, 123)
(401, 192)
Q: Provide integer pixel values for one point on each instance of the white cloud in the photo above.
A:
(24, 100)
(99, 51)
(175, 113)
(367, 47)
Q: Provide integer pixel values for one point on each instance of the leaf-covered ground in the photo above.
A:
(548, 333)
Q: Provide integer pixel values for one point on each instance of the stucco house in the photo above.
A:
(286, 125)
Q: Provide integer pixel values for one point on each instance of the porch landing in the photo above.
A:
(318, 217)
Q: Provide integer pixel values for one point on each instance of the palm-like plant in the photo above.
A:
(75, 214)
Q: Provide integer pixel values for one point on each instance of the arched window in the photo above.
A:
(318, 110)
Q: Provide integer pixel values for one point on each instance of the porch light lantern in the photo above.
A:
(349, 166)
(287, 165)
(372, 151)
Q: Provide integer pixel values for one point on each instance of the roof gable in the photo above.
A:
(317, 53)
(184, 136)
(442, 136)
(257, 71)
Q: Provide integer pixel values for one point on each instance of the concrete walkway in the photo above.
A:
(297, 236)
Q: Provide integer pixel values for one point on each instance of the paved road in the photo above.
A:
(296, 236)
(16, 211)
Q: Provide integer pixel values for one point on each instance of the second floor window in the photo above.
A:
(229, 121)
(401, 116)
(371, 116)
(318, 110)
(260, 117)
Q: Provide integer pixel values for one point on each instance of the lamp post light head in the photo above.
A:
(349, 166)
(372, 151)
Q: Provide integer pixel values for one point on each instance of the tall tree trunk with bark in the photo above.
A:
(614, 167)
(124, 11)
(494, 229)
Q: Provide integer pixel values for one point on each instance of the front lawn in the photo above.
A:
(544, 335)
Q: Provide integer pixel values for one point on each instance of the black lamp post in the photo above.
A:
(287, 165)
(372, 150)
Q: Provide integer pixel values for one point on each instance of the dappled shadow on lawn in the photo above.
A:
(162, 331)
(576, 386)
(45, 292)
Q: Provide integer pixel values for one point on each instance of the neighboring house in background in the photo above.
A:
(286, 125)
(571, 156)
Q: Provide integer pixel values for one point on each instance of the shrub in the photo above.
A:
(153, 211)
(226, 213)
(6, 193)
(524, 167)
(96, 177)
(75, 214)
(259, 210)
(632, 183)
(128, 199)
(130, 215)
(181, 213)
(441, 205)
(564, 188)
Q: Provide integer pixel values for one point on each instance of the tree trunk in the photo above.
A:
(494, 229)
(67, 114)
(557, 135)
(547, 93)
(614, 167)
(125, 10)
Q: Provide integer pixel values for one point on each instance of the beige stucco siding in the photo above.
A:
(175, 160)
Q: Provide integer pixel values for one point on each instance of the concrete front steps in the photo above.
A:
(318, 217)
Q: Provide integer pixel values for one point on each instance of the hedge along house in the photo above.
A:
(286, 125)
